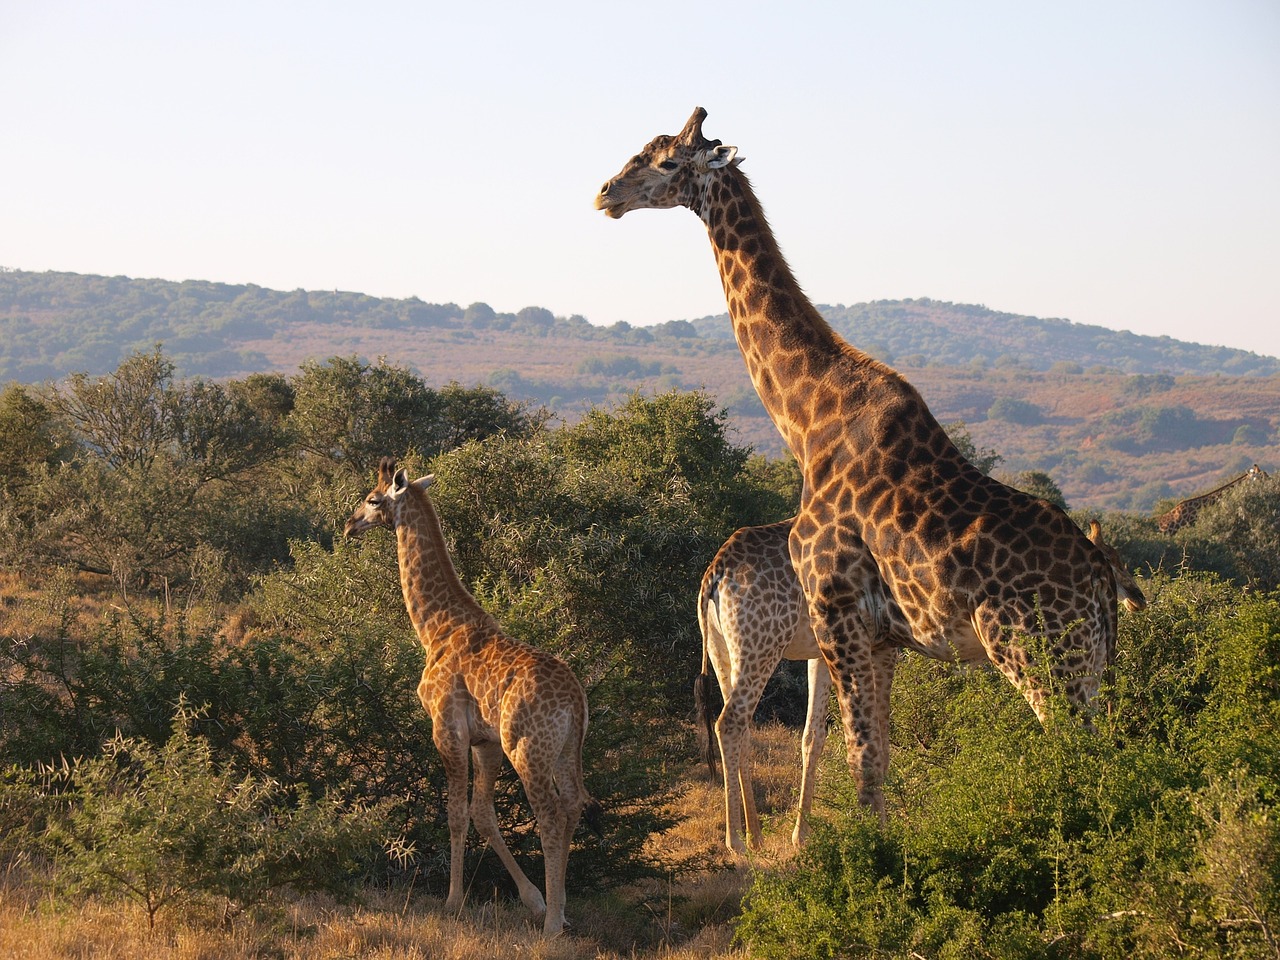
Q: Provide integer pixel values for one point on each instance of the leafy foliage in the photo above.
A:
(165, 825)
(1154, 837)
(1022, 412)
(588, 541)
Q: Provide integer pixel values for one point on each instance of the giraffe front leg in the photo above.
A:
(857, 695)
(884, 661)
(839, 581)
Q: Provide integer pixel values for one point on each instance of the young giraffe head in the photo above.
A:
(668, 172)
(1127, 588)
(381, 507)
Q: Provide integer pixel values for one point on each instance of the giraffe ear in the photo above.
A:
(423, 482)
(720, 156)
(399, 481)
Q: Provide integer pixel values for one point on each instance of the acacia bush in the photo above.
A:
(157, 481)
(167, 825)
(1153, 837)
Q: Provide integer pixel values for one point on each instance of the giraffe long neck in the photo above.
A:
(1187, 508)
(434, 595)
(786, 343)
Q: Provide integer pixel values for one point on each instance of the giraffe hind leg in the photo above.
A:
(573, 801)
(552, 823)
(454, 758)
(1042, 665)
(815, 737)
(488, 762)
(733, 731)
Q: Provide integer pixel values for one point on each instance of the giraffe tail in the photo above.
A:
(702, 695)
(707, 732)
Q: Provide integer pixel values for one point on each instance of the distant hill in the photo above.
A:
(52, 324)
(924, 331)
(1118, 420)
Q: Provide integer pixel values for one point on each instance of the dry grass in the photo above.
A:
(684, 918)
(32, 606)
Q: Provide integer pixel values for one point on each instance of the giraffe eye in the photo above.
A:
(668, 165)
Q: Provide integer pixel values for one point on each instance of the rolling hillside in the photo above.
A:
(1119, 421)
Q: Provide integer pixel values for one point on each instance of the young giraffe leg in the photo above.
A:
(552, 822)
(815, 737)
(573, 797)
(488, 762)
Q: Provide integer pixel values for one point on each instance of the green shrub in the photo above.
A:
(1157, 836)
(167, 825)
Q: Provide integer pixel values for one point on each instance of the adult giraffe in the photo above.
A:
(487, 694)
(977, 568)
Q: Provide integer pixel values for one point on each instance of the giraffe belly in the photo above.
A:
(802, 646)
(957, 641)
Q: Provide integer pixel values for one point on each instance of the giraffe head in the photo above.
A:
(1127, 588)
(668, 172)
(381, 508)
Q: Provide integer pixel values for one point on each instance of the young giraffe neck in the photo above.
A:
(434, 595)
(786, 343)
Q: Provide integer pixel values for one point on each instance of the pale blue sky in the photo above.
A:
(1115, 163)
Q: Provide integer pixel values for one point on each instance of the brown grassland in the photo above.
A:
(1081, 440)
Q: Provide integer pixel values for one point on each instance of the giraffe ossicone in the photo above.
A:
(488, 695)
(976, 569)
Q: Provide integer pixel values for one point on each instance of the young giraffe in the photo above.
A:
(488, 694)
(751, 613)
(1184, 513)
(977, 568)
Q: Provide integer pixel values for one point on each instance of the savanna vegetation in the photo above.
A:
(209, 736)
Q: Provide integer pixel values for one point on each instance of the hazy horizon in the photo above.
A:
(1109, 164)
